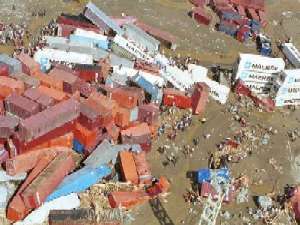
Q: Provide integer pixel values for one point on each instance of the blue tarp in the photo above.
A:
(205, 175)
(80, 181)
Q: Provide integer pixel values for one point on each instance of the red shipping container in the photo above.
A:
(122, 118)
(173, 97)
(53, 93)
(47, 81)
(241, 10)
(140, 133)
(113, 131)
(16, 209)
(85, 136)
(2, 110)
(99, 138)
(148, 113)
(21, 106)
(4, 70)
(88, 72)
(128, 168)
(43, 100)
(104, 101)
(4, 155)
(244, 30)
(252, 13)
(200, 16)
(262, 18)
(49, 119)
(9, 85)
(69, 80)
(23, 146)
(28, 63)
(199, 98)
(125, 97)
(142, 167)
(74, 22)
(8, 125)
(127, 199)
(147, 67)
(25, 162)
(162, 186)
(37, 192)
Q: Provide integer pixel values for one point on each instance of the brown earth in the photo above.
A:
(211, 47)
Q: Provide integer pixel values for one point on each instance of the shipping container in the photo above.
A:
(9, 85)
(55, 94)
(43, 100)
(8, 125)
(101, 20)
(47, 80)
(15, 65)
(28, 63)
(200, 98)
(17, 210)
(86, 136)
(243, 33)
(173, 97)
(4, 69)
(163, 36)
(126, 98)
(113, 131)
(127, 199)
(21, 106)
(69, 80)
(292, 54)
(80, 216)
(200, 16)
(49, 119)
(36, 192)
(75, 21)
(161, 186)
(26, 161)
(29, 81)
(128, 167)
(147, 67)
(137, 134)
(141, 38)
(104, 154)
(88, 72)
(148, 113)
(228, 28)
(142, 167)
(79, 181)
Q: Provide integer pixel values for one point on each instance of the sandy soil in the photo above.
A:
(211, 47)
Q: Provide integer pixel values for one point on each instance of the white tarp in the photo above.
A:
(62, 56)
(39, 215)
(258, 63)
(289, 91)
(133, 49)
(292, 54)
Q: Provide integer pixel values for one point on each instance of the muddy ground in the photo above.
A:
(210, 47)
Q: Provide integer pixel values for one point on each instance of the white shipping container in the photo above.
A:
(62, 56)
(292, 54)
(258, 63)
(130, 47)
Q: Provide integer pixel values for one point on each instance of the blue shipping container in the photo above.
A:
(80, 181)
(228, 29)
(90, 42)
(77, 146)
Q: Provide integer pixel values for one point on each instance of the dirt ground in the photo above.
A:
(210, 47)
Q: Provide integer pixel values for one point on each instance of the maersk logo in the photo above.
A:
(247, 65)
